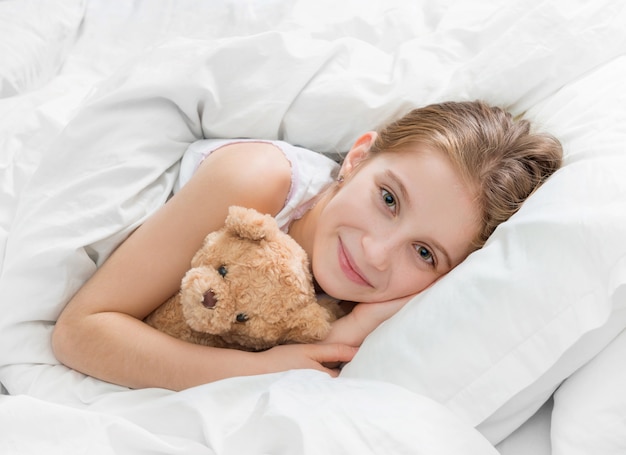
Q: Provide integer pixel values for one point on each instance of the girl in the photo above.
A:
(407, 205)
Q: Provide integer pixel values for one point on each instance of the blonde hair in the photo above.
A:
(499, 157)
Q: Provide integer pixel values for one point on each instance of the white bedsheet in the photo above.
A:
(293, 413)
(89, 147)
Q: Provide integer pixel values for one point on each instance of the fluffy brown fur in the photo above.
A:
(249, 288)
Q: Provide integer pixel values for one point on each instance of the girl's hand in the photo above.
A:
(321, 357)
(362, 320)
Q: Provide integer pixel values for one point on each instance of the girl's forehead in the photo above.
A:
(414, 156)
(418, 155)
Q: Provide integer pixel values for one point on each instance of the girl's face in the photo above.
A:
(399, 221)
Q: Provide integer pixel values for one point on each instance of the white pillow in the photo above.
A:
(494, 338)
(34, 39)
(589, 414)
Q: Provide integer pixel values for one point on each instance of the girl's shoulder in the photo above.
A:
(256, 164)
(199, 151)
(301, 159)
(250, 172)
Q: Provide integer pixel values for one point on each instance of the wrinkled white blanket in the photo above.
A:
(90, 145)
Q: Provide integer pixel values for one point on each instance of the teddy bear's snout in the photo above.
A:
(208, 300)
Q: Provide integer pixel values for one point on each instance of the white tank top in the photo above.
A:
(311, 172)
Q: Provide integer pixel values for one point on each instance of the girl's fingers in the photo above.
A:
(334, 353)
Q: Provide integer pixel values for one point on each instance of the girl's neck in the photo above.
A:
(302, 230)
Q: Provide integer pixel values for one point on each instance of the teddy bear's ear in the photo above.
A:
(250, 224)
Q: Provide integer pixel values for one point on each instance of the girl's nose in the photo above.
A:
(377, 250)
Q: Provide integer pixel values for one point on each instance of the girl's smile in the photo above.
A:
(351, 271)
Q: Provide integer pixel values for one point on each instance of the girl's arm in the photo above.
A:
(362, 320)
(101, 332)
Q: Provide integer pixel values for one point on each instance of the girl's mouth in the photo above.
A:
(350, 270)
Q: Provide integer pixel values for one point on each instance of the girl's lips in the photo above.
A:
(349, 269)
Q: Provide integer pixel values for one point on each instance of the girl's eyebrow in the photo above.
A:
(405, 195)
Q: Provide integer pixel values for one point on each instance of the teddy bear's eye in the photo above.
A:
(242, 317)
(222, 270)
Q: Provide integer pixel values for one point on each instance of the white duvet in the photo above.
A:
(99, 100)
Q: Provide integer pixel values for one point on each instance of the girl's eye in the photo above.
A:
(425, 254)
(388, 199)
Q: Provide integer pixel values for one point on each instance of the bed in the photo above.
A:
(518, 350)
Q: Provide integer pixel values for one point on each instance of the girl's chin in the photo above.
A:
(339, 293)
(329, 287)
(329, 280)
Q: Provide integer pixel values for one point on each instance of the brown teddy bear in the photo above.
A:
(249, 288)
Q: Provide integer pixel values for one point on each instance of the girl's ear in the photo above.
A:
(358, 152)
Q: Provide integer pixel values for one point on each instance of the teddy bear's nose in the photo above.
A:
(209, 299)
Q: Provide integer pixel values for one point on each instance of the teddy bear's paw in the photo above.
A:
(310, 331)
